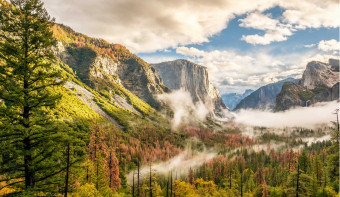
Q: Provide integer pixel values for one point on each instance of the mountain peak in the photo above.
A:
(319, 83)
(319, 74)
(194, 78)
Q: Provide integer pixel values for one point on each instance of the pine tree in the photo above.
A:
(333, 161)
(150, 179)
(27, 130)
(191, 177)
(72, 152)
(113, 171)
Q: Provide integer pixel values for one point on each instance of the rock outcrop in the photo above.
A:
(263, 98)
(319, 83)
(292, 94)
(233, 99)
(183, 74)
(320, 74)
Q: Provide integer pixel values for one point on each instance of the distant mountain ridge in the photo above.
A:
(319, 83)
(263, 98)
(183, 74)
(233, 99)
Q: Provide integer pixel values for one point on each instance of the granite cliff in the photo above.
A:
(320, 74)
(319, 83)
(185, 75)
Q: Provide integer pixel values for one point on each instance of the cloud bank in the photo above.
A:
(306, 117)
(150, 25)
(329, 45)
(232, 71)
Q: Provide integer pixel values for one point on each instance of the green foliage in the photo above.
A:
(70, 106)
(122, 116)
(326, 192)
(87, 190)
(333, 161)
(306, 95)
(320, 89)
(29, 136)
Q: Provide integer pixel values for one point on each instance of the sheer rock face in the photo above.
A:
(319, 83)
(320, 74)
(264, 97)
(185, 75)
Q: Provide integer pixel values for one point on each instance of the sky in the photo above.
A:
(245, 44)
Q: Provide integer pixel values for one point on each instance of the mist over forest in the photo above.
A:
(169, 98)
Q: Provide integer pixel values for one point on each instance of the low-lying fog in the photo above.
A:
(307, 124)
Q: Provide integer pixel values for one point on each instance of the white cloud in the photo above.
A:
(309, 45)
(329, 45)
(232, 71)
(267, 38)
(260, 21)
(190, 51)
(154, 59)
(297, 15)
(275, 31)
(150, 25)
(311, 14)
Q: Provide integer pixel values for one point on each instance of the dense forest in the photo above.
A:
(53, 145)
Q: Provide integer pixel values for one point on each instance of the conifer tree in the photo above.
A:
(71, 152)
(113, 171)
(191, 177)
(27, 130)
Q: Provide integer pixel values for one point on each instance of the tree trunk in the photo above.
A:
(241, 184)
(150, 182)
(29, 174)
(171, 184)
(87, 174)
(110, 168)
(297, 181)
(97, 172)
(167, 188)
(230, 178)
(138, 192)
(67, 169)
(133, 184)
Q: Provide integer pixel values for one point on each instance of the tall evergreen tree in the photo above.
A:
(27, 131)
(333, 168)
